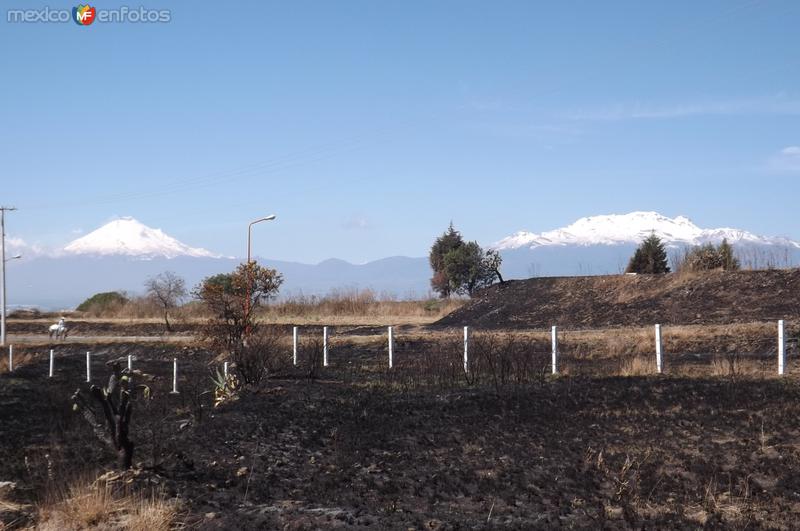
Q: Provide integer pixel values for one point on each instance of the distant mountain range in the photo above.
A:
(633, 228)
(123, 253)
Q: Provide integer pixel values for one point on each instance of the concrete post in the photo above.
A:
(174, 376)
(554, 341)
(225, 370)
(130, 364)
(52, 361)
(325, 346)
(658, 349)
(391, 348)
(466, 349)
(11, 358)
(781, 348)
(88, 367)
(294, 346)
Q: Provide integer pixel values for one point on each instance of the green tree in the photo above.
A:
(233, 298)
(727, 258)
(469, 268)
(650, 257)
(450, 240)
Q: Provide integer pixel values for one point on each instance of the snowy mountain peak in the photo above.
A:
(128, 237)
(617, 229)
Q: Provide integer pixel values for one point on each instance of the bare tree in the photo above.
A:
(167, 290)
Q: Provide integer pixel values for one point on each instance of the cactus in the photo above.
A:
(111, 424)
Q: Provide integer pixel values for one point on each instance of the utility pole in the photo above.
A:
(3, 271)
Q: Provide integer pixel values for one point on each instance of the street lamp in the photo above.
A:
(249, 261)
(250, 230)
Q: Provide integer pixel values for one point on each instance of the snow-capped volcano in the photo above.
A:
(632, 229)
(129, 237)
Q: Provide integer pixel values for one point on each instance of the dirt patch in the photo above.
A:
(715, 297)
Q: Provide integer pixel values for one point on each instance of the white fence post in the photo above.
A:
(52, 361)
(225, 370)
(130, 364)
(294, 346)
(88, 367)
(325, 346)
(391, 348)
(554, 341)
(11, 358)
(658, 349)
(174, 376)
(466, 349)
(781, 348)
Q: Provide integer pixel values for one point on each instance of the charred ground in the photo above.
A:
(361, 447)
(714, 297)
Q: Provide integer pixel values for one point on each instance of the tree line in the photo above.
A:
(650, 258)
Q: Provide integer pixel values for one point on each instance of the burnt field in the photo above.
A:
(712, 443)
(707, 298)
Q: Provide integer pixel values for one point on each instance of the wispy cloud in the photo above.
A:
(786, 160)
(779, 105)
(18, 246)
(357, 223)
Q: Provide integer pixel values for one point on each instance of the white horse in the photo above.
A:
(60, 330)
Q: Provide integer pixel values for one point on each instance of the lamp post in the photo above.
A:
(247, 289)
(3, 272)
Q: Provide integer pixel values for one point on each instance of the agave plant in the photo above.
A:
(225, 387)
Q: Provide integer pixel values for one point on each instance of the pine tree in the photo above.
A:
(650, 257)
(727, 258)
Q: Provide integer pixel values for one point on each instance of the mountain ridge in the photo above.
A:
(631, 228)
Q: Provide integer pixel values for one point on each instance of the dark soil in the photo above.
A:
(715, 297)
(346, 451)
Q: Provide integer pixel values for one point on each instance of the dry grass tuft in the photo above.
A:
(21, 358)
(637, 366)
(85, 505)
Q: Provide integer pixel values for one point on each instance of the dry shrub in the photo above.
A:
(443, 364)
(264, 354)
(85, 505)
(499, 360)
(503, 360)
(734, 365)
(310, 354)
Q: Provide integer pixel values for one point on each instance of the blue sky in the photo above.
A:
(367, 126)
